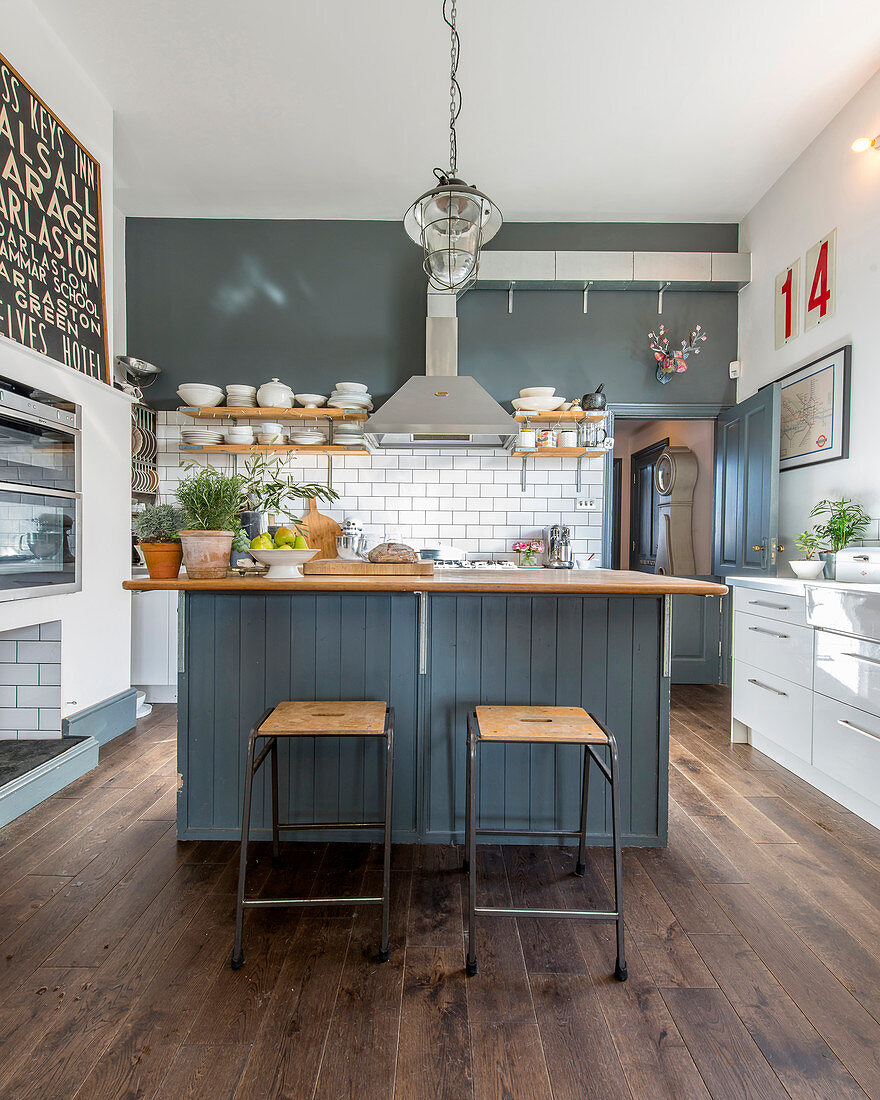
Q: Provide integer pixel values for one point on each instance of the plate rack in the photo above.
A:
(144, 450)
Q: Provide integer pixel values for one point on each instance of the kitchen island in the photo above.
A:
(433, 647)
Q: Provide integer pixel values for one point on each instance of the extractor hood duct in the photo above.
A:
(441, 409)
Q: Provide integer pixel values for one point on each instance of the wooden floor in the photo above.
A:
(753, 949)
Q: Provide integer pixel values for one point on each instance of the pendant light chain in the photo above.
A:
(454, 88)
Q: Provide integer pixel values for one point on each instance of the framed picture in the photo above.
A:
(815, 411)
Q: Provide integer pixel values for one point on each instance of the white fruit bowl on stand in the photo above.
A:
(283, 564)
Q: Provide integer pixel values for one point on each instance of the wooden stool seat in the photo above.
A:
(554, 725)
(354, 719)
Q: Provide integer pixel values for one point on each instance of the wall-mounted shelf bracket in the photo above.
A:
(587, 297)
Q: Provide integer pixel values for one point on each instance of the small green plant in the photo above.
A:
(809, 543)
(160, 523)
(270, 491)
(845, 522)
(241, 541)
(212, 500)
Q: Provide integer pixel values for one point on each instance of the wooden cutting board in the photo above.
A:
(341, 567)
(321, 531)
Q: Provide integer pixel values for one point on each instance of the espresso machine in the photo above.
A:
(558, 548)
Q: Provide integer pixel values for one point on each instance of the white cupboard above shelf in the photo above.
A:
(676, 271)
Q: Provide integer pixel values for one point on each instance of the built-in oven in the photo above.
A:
(40, 504)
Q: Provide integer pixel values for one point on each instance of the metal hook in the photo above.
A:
(660, 297)
(510, 298)
(587, 297)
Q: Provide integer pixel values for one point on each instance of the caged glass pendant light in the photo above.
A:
(453, 220)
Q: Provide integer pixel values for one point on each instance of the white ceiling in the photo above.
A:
(573, 109)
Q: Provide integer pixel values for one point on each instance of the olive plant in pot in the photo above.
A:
(809, 567)
(158, 533)
(212, 502)
(844, 522)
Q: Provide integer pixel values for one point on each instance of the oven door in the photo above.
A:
(37, 454)
(39, 542)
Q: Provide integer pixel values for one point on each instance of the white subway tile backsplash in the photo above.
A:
(431, 494)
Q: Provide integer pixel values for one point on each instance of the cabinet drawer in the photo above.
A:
(771, 605)
(780, 648)
(848, 669)
(778, 709)
(846, 746)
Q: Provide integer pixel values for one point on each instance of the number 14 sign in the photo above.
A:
(820, 290)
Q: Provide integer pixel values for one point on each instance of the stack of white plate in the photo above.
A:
(307, 437)
(198, 437)
(241, 397)
(268, 432)
(348, 433)
(241, 434)
(352, 396)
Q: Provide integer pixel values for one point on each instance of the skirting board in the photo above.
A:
(29, 790)
(861, 807)
(104, 720)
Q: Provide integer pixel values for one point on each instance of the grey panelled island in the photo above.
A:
(433, 647)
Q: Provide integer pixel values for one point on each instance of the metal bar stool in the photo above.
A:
(317, 719)
(548, 726)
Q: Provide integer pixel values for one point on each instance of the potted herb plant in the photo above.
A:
(809, 567)
(158, 533)
(212, 502)
(844, 523)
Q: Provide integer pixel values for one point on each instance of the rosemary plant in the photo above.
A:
(212, 500)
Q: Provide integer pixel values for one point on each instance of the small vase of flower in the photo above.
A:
(528, 551)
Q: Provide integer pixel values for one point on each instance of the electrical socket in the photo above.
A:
(585, 504)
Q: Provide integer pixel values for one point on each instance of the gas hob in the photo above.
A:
(490, 563)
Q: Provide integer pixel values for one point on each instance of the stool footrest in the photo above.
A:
(331, 825)
(584, 914)
(279, 903)
(528, 832)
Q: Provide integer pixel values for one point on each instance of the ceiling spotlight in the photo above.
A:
(860, 145)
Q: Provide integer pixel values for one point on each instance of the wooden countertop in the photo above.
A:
(597, 582)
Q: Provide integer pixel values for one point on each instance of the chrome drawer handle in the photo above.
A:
(767, 687)
(862, 657)
(858, 729)
(772, 633)
(765, 603)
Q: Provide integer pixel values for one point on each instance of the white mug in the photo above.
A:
(568, 438)
(527, 439)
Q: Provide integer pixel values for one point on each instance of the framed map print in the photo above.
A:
(815, 411)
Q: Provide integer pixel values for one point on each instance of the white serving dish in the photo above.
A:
(275, 395)
(807, 570)
(538, 404)
(200, 395)
(311, 400)
(351, 387)
(239, 437)
(283, 564)
(538, 391)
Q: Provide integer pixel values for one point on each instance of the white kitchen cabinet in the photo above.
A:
(154, 645)
(806, 688)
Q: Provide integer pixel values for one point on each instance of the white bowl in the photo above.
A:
(199, 395)
(537, 404)
(311, 400)
(265, 426)
(268, 439)
(283, 564)
(242, 391)
(538, 391)
(352, 387)
(807, 570)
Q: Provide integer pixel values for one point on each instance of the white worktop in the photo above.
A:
(796, 587)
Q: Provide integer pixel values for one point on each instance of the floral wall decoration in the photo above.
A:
(669, 361)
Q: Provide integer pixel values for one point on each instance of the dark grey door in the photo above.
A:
(696, 638)
(644, 508)
(747, 485)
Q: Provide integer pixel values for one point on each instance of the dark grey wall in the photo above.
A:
(316, 302)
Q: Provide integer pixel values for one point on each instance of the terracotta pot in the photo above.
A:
(162, 558)
(206, 554)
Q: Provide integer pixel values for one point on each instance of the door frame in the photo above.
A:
(660, 446)
(647, 411)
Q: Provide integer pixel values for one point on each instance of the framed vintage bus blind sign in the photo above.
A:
(52, 296)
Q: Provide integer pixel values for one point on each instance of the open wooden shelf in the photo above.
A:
(254, 412)
(570, 415)
(561, 452)
(273, 448)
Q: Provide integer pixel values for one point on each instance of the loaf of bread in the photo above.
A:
(393, 552)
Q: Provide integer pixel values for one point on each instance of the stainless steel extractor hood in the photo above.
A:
(441, 409)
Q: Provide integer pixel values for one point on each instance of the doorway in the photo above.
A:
(633, 519)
